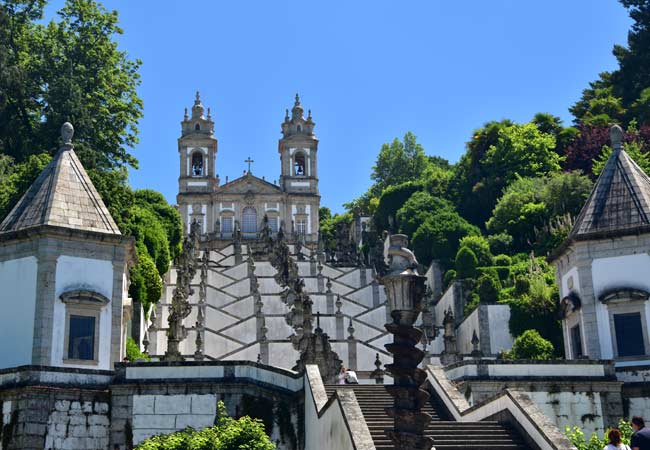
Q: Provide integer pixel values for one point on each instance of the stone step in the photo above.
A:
(447, 435)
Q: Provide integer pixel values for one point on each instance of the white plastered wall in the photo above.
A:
(18, 302)
(73, 273)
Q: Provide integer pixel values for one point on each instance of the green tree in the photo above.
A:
(530, 205)
(466, 263)
(498, 154)
(390, 201)
(620, 95)
(481, 248)
(438, 236)
(399, 162)
(227, 434)
(417, 209)
(67, 70)
(488, 288)
(632, 148)
(146, 285)
(530, 345)
(15, 179)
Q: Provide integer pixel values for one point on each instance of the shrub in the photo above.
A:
(133, 352)
(466, 263)
(450, 276)
(481, 248)
(578, 439)
(503, 273)
(228, 434)
(500, 243)
(530, 345)
(488, 289)
(502, 260)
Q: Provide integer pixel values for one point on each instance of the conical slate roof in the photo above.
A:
(62, 196)
(620, 201)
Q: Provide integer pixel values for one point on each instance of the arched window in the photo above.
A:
(299, 129)
(249, 220)
(197, 164)
(299, 165)
(197, 127)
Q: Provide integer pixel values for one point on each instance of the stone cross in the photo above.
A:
(249, 161)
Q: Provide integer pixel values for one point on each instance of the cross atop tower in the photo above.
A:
(249, 161)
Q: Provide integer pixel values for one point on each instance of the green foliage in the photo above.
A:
(620, 95)
(481, 248)
(531, 345)
(502, 260)
(227, 434)
(145, 226)
(632, 148)
(392, 199)
(399, 162)
(168, 217)
(488, 289)
(578, 439)
(533, 300)
(500, 243)
(438, 237)
(67, 70)
(450, 276)
(466, 263)
(417, 209)
(15, 179)
(146, 283)
(497, 155)
(530, 204)
(133, 352)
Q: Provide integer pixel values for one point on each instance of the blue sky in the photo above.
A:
(368, 70)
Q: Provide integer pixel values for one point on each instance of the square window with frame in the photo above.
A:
(629, 334)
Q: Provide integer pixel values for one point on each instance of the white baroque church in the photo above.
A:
(291, 202)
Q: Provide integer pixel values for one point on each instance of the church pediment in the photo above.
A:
(248, 183)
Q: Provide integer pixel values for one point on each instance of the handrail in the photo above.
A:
(530, 420)
(342, 405)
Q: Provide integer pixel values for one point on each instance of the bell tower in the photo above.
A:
(298, 150)
(197, 149)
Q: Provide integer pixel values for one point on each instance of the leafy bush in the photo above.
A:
(450, 276)
(146, 285)
(577, 437)
(227, 434)
(466, 263)
(488, 289)
(502, 260)
(133, 352)
(392, 199)
(530, 345)
(481, 248)
(500, 243)
(438, 237)
(418, 208)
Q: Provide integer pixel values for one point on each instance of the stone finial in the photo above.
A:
(297, 102)
(350, 330)
(145, 341)
(476, 349)
(616, 137)
(185, 115)
(378, 373)
(197, 99)
(67, 131)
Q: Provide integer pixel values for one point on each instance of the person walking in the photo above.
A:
(615, 443)
(641, 437)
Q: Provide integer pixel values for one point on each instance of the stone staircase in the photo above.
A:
(446, 434)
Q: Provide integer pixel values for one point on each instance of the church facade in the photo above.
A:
(242, 203)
